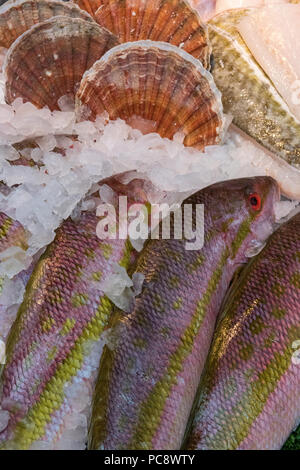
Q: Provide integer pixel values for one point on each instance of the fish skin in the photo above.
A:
(148, 378)
(249, 393)
(58, 325)
(11, 233)
(248, 94)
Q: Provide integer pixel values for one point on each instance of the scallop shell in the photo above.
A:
(19, 16)
(91, 6)
(155, 87)
(48, 61)
(172, 21)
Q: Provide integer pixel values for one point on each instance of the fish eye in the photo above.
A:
(255, 201)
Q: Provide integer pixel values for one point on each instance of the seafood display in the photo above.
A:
(253, 101)
(149, 225)
(248, 397)
(149, 377)
(164, 86)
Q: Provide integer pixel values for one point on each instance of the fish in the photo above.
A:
(12, 233)
(155, 87)
(151, 366)
(53, 348)
(256, 106)
(59, 50)
(248, 397)
(273, 46)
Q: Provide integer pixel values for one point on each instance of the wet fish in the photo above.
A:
(256, 106)
(54, 344)
(150, 370)
(249, 394)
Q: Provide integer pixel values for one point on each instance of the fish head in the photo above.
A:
(256, 215)
(244, 211)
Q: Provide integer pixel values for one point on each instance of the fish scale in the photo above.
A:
(249, 394)
(11, 233)
(56, 333)
(151, 369)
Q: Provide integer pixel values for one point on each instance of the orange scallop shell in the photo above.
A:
(48, 61)
(91, 6)
(19, 16)
(172, 21)
(155, 87)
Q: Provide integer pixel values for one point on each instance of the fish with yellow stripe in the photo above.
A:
(54, 345)
(249, 395)
(151, 367)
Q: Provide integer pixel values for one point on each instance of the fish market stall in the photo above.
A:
(149, 225)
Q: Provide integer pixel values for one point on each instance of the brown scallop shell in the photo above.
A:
(155, 87)
(48, 61)
(19, 16)
(172, 21)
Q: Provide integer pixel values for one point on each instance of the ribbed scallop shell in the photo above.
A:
(156, 87)
(19, 16)
(172, 21)
(48, 61)
(91, 6)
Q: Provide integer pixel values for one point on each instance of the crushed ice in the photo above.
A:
(121, 289)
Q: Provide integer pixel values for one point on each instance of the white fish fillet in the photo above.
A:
(272, 34)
